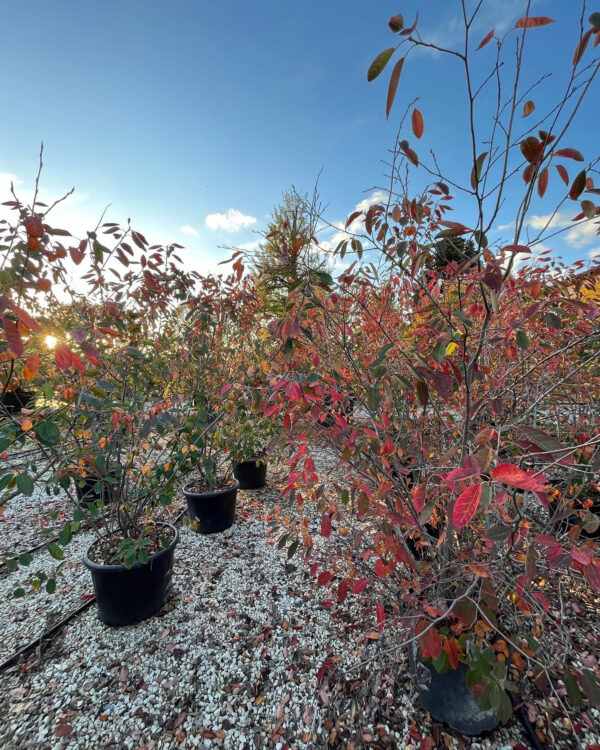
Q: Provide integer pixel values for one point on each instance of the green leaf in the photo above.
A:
(379, 63)
(65, 534)
(594, 20)
(439, 351)
(93, 509)
(282, 540)
(48, 433)
(552, 320)
(55, 551)
(573, 691)
(292, 549)
(25, 558)
(51, 585)
(522, 340)
(588, 682)
(25, 484)
(18, 593)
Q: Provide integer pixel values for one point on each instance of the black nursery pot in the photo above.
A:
(251, 474)
(213, 511)
(448, 699)
(88, 493)
(14, 401)
(125, 596)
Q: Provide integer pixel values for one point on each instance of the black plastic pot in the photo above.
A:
(87, 491)
(125, 596)
(212, 511)
(448, 699)
(251, 474)
(14, 401)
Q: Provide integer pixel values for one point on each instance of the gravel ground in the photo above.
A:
(248, 653)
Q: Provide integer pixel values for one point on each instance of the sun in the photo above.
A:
(50, 341)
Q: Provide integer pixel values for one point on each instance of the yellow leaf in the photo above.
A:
(451, 347)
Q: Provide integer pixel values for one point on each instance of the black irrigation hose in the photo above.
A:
(55, 628)
(521, 714)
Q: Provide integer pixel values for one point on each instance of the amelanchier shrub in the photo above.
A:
(473, 438)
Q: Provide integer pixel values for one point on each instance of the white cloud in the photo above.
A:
(232, 221)
(594, 253)
(187, 229)
(356, 227)
(583, 234)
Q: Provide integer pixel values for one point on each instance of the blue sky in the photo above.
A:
(191, 117)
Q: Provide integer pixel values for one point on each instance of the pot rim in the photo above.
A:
(261, 460)
(234, 485)
(114, 567)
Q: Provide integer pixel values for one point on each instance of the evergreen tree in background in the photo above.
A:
(450, 249)
(288, 257)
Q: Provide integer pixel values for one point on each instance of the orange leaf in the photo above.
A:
(26, 424)
(418, 126)
(488, 37)
(533, 22)
(528, 108)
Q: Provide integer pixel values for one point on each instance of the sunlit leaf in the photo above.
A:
(379, 63)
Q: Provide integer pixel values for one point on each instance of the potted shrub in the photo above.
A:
(465, 367)
(116, 409)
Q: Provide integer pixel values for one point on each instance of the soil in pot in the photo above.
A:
(125, 596)
(251, 474)
(448, 699)
(211, 510)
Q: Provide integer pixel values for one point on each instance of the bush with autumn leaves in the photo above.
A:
(129, 365)
(473, 504)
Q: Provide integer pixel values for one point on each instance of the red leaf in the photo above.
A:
(13, 338)
(324, 578)
(381, 569)
(578, 186)
(581, 47)
(451, 649)
(487, 38)
(326, 525)
(517, 249)
(466, 505)
(533, 22)
(418, 126)
(570, 153)
(64, 730)
(352, 217)
(342, 591)
(90, 352)
(431, 643)
(63, 356)
(418, 496)
(380, 616)
(515, 477)
(393, 86)
(592, 573)
(359, 585)
(24, 317)
(581, 556)
(542, 182)
(564, 175)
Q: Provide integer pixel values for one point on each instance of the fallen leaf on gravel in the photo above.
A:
(123, 674)
(64, 731)
(17, 693)
(281, 707)
(308, 716)
(180, 719)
